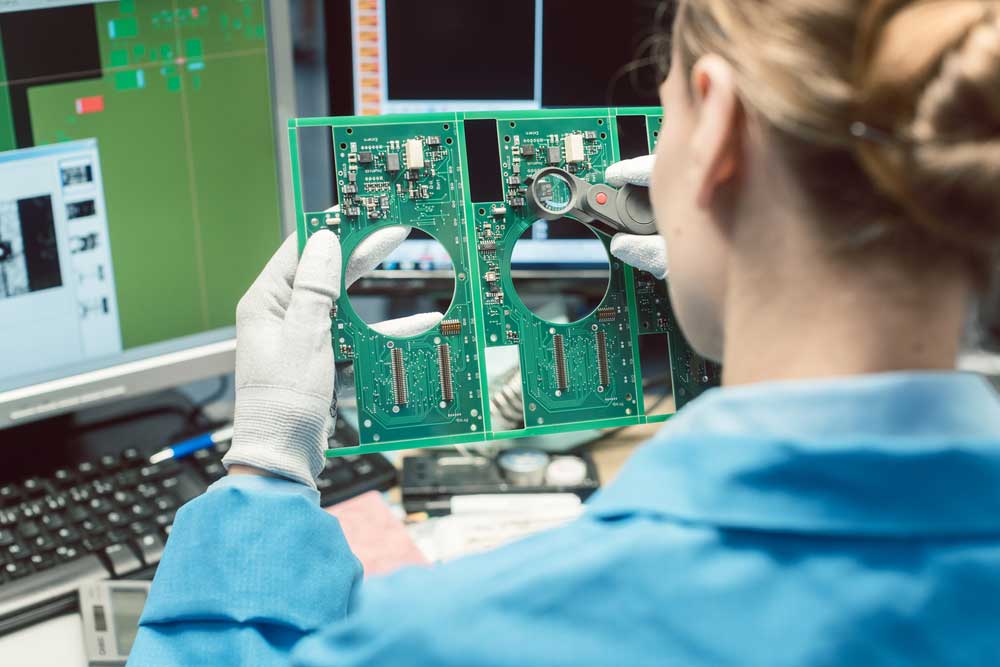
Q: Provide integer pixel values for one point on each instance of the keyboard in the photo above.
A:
(111, 518)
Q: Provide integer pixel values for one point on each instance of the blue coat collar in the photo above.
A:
(895, 455)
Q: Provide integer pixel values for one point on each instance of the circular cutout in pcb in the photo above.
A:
(422, 259)
(561, 270)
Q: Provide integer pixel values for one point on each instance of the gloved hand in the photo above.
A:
(648, 253)
(284, 358)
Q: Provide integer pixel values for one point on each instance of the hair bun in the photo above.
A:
(945, 104)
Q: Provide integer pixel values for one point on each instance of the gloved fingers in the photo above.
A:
(408, 326)
(636, 171)
(648, 253)
(372, 251)
(316, 285)
(272, 290)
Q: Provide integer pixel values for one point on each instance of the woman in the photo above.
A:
(827, 189)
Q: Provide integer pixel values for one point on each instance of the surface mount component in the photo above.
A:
(476, 182)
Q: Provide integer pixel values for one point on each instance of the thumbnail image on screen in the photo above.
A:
(176, 98)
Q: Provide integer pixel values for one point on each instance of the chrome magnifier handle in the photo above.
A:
(554, 193)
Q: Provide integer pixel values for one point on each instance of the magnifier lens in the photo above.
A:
(553, 193)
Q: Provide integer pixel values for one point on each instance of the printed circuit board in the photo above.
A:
(461, 178)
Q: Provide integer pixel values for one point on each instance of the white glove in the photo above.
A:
(647, 253)
(284, 358)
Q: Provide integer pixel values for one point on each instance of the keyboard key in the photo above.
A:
(6, 537)
(147, 490)
(43, 543)
(17, 569)
(140, 510)
(165, 503)
(10, 516)
(170, 467)
(9, 494)
(95, 543)
(92, 526)
(117, 536)
(33, 486)
(16, 551)
(132, 456)
(221, 448)
(141, 528)
(151, 471)
(54, 502)
(42, 561)
(53, 521)
(116, 519)
(121, 560)
(109, 463)
(31, 509)
(203, 455)
(86, 469)
(76, 513)
(103, 486)
(124, 497)
(100, 506)
(127, 479)
(80, 494)
(164, 519)
(183, 486)
(214, 471)
(67, 552)
(68, 535)
(29, 530)
(64, 477)
(150, 548)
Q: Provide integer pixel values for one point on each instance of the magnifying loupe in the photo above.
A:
(554, 193)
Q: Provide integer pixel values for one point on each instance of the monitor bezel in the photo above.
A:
(133, 378)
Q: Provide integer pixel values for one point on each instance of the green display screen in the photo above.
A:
(177, 97)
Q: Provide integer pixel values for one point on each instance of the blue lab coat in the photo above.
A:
(841, 522)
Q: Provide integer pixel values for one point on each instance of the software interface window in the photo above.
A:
(161, 203)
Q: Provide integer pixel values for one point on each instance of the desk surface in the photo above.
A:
(59, 642)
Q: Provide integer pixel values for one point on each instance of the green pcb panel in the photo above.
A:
(461, 178)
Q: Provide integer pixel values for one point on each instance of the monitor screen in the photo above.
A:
(415, 57)
(139, 194)
(412, 57)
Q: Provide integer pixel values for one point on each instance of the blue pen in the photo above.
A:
(190, 446)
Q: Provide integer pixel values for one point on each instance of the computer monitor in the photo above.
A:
(414, 57)
(399, 56)
(142, 188)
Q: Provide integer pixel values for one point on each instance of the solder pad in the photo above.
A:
(430, 389)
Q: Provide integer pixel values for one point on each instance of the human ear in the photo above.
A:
(715, 141)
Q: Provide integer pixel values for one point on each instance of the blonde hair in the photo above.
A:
(889, 110)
